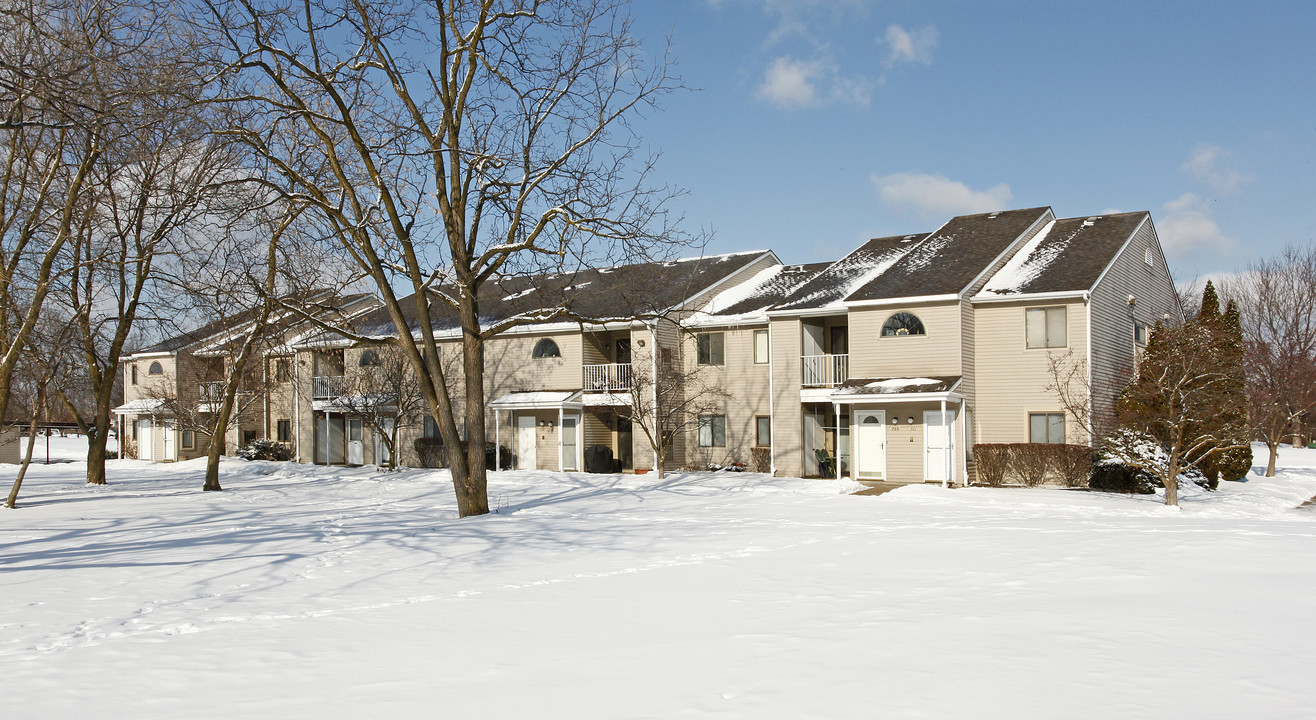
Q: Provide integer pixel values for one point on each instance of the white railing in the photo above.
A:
(825, 370)
(326, 386)
(212, 391)
(606, 378)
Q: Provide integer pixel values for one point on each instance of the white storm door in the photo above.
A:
(167, 434)
(570, 445)
(937, 445)
(381, 449)
(869, 429)
(525, 442)
(145, 441)
(355, 443)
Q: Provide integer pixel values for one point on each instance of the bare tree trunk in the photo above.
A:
(1273, 447)
(472, 486)
(11, 501)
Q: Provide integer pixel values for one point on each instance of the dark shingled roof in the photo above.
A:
(776, 288)
(837, 281)
(898, 385)
(1070, 258)
(622, 292)
(230, 324)
(949, 259)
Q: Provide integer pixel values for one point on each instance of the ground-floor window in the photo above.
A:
(189, 440)
(763, 431)
(248, 437)
(284, 430)
(712, 431)
(1046, 428)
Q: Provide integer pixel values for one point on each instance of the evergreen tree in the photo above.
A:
(1234, 461)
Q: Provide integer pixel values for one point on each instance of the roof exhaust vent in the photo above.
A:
(993, 215)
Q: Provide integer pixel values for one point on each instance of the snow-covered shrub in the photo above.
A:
(265, 450)
(1132, 461)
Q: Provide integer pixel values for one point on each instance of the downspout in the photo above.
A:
(297, 403)
(772, 411)
(1092, 408)
(653, 383)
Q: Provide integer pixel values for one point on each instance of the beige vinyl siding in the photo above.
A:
(939, 352)
(787, 418)
(668, 335)
(740, 277)
(1012, 379)
(508, 366)
(642, 456)
(1112, 318)
(745, 385)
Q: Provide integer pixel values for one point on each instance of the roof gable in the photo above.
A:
(866, 262)
(1068, 256)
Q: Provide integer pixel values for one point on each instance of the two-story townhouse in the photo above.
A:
(171, 387)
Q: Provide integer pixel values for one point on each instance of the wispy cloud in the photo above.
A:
(1206, 164)
(936, 197)
(794, 84)
(905, 46)
(1187, 225)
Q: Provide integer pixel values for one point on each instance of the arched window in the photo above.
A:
(903, 323)
(369, 358)
(546, 349)
(155, 369)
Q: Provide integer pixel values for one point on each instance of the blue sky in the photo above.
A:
(817, 124)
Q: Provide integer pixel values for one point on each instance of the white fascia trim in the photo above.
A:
(911, 300)
(160, 354)
(1009, 250)
(1123, 247)
(1031, 297)
(738, 321)
(832, 309)
(895, 398)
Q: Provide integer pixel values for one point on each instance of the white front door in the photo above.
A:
(525, 442)
(570, 445)
(145, 441)
(355, 443)
(938, 442)
(167, 435)
(381, 449)
(869, 428)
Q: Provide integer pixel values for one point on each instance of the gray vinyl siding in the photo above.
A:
(1112, 318)
(10, 446)
(787, 419)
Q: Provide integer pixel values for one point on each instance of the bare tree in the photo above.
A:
(669, 400)
(450, 144)
(46, 364)
(383, 392)
(1275, 298)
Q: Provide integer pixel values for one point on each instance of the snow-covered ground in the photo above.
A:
(346, 593)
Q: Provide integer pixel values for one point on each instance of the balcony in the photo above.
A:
(610, 377)
(326, 387)
(823, 371)
(212, 391)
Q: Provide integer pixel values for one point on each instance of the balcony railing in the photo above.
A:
(212, 391)
(825, 370)
(324, 387)
(607, 378)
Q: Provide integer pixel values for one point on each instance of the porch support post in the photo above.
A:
(945, 479)
(498, 443)
(560, 449)
(964, 440)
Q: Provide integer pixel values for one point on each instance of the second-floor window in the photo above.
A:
(711, 348)
(132, 370)
(760, 347)
(901, 324)
(369, 358)
(1045, 327)
(282, 370)
(546, 348)
(155, 369)
(1139, 334)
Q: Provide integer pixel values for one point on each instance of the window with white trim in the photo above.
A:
(1045, 327)
(760, 347)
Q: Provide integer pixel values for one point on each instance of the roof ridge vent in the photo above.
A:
(1091, 221)
(907, 238)
(992, 216)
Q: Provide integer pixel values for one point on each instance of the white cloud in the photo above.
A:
(1204, 165)
(907, 46)
(794, 84)
(936, 197)
(1187, 226)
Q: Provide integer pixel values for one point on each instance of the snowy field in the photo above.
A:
(304, 592)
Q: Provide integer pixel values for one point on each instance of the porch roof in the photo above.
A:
(540, 400)
(898, 389)
(142, 406)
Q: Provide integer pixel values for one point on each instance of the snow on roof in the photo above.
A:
(848, 274)
(898, 385)
(1027, 264)
(141, 406)
(734, 295)
(549, 398)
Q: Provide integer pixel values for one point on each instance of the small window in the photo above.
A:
(134, 424)
(546, 348)
(711, 348)
(155, 369)
(189, 440)
(1045, 327)
(903, 323)
(132, 371)
(369, 358)
(1149, 257)
(712, 431)
(763, 431)
(248, 437)
(1139, 334)
(284, 430)
(282, 370)
(431, 429)
(760, 347)
(1046, 428)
